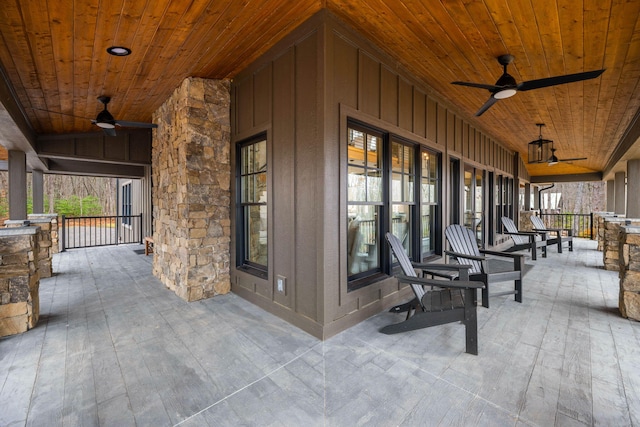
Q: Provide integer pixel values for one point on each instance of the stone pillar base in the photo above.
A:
(630, 272)
(19, 280)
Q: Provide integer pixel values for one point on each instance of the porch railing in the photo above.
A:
(90, 231)
(581, 224)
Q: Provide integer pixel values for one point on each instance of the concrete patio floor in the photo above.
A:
(115, 348)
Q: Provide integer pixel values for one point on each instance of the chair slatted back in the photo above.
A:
(405, 262)
(537, 222)
(463, 241)
(511, 228)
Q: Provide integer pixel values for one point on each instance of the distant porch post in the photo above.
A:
(37, 182)
(620, 197)
(17, 185)
(611, 199)
(633, 188)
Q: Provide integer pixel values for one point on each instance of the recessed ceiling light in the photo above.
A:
(119, 51)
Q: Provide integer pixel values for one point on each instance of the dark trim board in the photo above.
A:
(583, 177)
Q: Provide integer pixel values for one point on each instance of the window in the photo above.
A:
(365, 201)
(429, 199)
(126, 204)
(252, 204)
(393, 186)
(474, 202)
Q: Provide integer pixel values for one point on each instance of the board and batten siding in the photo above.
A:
(301, 93)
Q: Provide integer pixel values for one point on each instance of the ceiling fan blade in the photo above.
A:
(492, 88)
(558, 80)
(136, 124)
(486, 105)
(109, 131)
(58, 112)
(571, 160)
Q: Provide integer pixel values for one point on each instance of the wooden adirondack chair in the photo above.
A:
(554, 236)
(442, 302)
(525, 239)
(464, 249)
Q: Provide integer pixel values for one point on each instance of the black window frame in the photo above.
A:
(126, 204)
(385, 220)
(241, 232)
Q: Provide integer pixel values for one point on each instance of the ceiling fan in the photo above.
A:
(541, 150)
(506, 85)
(106, 121)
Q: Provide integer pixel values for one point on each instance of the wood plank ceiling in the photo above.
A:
(54, 55)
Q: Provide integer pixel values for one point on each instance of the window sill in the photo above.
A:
(253, 271)
(356, 284)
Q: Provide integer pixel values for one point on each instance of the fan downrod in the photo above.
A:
(104, 99)
(506, 59)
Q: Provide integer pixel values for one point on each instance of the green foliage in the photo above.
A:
(75, 206)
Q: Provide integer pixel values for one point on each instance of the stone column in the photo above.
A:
(191, 189)
(54, 235)
(633, 188)
(19, 280)
(37, 181)
(620, 198)
(44, 244)
(17, 185)
(611, 195)
(630, 272)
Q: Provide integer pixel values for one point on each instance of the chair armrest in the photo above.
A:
(502, 254)
(449, 267)
(522, 233)
(459, 255)
(439, 283)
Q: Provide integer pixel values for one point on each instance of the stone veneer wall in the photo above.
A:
(598, 225)
(525, 220)
(191, 189)
(45, 245)
(630, 272)
(55, 236)
(19, 280)
(611, 242)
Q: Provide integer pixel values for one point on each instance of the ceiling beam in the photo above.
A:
(582, 177)
(16, 132)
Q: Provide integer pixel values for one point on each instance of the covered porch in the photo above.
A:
(115, 347)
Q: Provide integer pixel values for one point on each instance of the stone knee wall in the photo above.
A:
(525, 220)
(191, 189)
(611, 240)
(630, 272)
(19, 280)
(54, 224)
(45, 244)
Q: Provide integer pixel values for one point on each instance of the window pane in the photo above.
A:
(409, 188)
(256, 234)
(425, 230)
(373, 147)
(401, 225)
(396, 187)
(247, 188)
(362, 239)
(374, 186)
(356, 185)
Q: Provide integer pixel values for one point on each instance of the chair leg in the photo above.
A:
(559, 245)
(470, 322)
(544, 251)
(534, 251)
(485, 296)
(518, 289)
